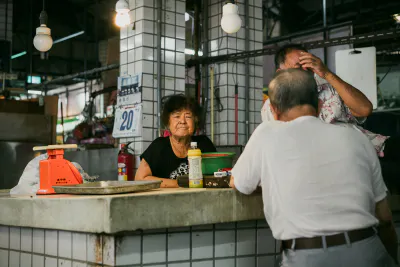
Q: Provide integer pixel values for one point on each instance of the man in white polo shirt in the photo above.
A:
(326, 201)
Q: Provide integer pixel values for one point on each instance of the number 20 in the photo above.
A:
(127, 120)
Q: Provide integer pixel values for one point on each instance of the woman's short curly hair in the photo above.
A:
(174, 103)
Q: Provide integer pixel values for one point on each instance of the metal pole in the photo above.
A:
(196, 48)
(247, 73)
(159, 5)
(205, 66)
(325, 31)
(75, 75)
(85, 50)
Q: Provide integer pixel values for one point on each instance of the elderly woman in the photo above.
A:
(166, 157)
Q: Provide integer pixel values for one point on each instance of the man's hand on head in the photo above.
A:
(313, 63)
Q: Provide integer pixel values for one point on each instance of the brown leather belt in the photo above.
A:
(331, 241)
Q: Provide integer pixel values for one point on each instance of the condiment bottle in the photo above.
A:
(195, 173)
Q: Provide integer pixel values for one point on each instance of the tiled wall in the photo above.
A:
(138, 54)
(248, 243)
(230, 73)
(242, 244)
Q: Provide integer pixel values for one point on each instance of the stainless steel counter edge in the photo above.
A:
(164, 208)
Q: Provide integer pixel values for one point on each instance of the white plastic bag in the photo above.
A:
(29, 181)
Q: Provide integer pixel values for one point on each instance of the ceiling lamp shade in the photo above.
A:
(42, 40)
(230, 21)
(122, 18)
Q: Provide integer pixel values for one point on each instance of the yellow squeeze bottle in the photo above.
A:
(195, 173)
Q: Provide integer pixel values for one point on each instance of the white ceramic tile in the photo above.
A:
(183, 264)
(95, 248)
(138, 53)
(64, 263)
(202, 264)
(4, 237)
(170, 31)
(123, 45)
(79, 246)
(38, 241)
(108, 250)
(124, 32)
(131, 56)
(180, 85)
(148, 39)
(247, 261)
(50, 242)
(148, 66)
(178, 246)
(180, 45)
(147, 54)
(138, 67)
(148, 26)
(224, 240)
(202, 245)
(14, 259)
(180, 7)
(148, 13)
(225, 263)
(180, 59)
(15, 238)
(147, 121)
(50, 262)
(180, 32)
(168, 17)
(79, 264)
(26, 239)
(4, 258)
(265, 261)
(123, 57)
(123, 69)
(131, 42)
(266, 242)
(65, 244)
(37, 261)
(26, 259)
(128, 250)
(154, 248)
(131, 69)
(180, 20)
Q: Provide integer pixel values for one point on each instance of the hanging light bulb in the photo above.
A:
(230, 21)
(43, 41)
(122, 18)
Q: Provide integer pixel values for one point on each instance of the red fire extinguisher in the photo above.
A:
(126, 163)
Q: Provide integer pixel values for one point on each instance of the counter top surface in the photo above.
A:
(163, 208)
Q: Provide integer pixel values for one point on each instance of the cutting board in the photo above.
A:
(358, 68)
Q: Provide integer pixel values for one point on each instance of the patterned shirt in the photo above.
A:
(334, 111)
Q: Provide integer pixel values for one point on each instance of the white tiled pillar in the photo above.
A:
(227, 74)
(138, 50)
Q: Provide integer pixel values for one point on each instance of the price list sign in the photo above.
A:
(129, 90)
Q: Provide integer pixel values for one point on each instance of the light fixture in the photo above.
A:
(43, 41)
(230, 21)
(34, 92)
(187, 16)
(122, 18)
(397, 18)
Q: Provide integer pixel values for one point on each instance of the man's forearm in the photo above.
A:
(357, 102)
(388, 236)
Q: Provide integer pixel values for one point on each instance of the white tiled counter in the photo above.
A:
(168, 227)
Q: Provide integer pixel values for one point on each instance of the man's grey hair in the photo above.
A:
(293, 87)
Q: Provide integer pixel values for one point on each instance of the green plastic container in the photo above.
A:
(212, 162)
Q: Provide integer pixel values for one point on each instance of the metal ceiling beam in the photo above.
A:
(361, 38)
(76, 75)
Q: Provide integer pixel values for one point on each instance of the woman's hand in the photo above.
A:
(144, 173)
